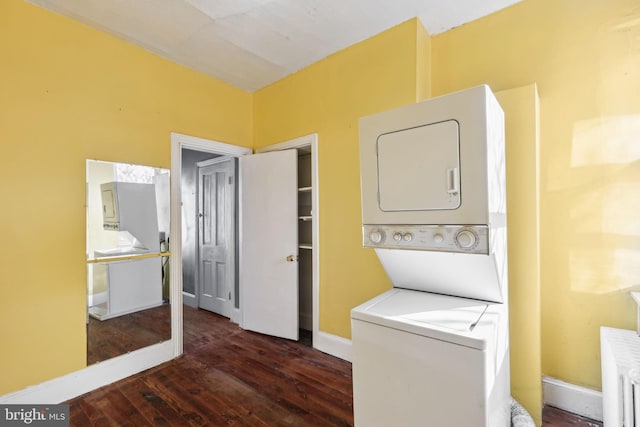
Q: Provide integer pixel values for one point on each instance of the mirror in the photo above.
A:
(127, 258)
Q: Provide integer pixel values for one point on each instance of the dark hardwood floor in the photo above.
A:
(554, 417)
(227, 377)
(231, 377)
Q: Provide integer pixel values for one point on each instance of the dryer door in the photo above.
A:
(419, 168)
(438, 161)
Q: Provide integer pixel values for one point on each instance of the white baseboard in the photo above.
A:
(333, 345)
(97, 299)
(189, 299)
(92, 377)
(235, 316)
(569, 397)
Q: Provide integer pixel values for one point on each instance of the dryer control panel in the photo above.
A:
(442, 238)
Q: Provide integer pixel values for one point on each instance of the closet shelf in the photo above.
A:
(305, 246)
(305, 218)
(304, 189)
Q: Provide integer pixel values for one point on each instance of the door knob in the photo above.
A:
(291, 258)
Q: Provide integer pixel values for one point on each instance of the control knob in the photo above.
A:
(466, 239)
(397, 237)
(376, 236)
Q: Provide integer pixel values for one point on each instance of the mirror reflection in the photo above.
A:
(127, 258)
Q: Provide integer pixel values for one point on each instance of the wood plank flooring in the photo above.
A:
(227, 377)
(554, 417)
(231, 377)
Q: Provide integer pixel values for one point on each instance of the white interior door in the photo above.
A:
(268, 263)
(216, 200)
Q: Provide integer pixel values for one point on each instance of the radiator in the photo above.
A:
(620, 356)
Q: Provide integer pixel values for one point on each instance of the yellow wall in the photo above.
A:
(68, 93)
(584, 57)
(329, 97)
(423, 63)
(523, 215)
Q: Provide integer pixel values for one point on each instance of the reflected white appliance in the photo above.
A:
(434, 349)
(132, 207)
(133, 284)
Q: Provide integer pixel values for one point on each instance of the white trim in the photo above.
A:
(572, 398)
(332, 344)
(97, 298)
(236, 316)
(213, 161)
(189, 299)
(311, 141)
(178, 142)
(307, 140)
(92, 377)
(207, 145)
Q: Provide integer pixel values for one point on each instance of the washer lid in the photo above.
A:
(457, 320)
(457, 314)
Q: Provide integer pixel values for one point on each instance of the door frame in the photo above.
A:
(178, 142)
(310, 142)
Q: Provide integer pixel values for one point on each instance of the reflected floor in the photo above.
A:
(120, 335)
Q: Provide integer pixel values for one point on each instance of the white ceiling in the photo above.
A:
(252, 43)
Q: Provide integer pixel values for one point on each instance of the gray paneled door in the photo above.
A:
(216, 225)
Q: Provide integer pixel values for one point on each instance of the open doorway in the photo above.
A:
(209, 225)
(188, 150)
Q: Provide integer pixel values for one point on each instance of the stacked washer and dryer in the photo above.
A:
(434, 350)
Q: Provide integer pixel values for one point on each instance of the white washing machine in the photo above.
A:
(433, 351)
(423, 359)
